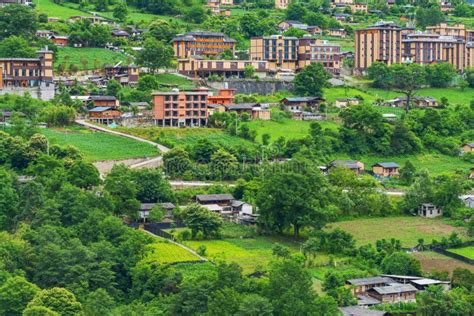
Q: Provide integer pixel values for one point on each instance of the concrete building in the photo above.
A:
(4, 3)
(278, 50)
(429, 210)
(282, 4)
(200, 67)
(359, 7)
(320, 51)
(33, 75)
(202, 43)
(180, 108)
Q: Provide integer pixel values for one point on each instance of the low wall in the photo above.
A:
(43, 92)
(250, 86)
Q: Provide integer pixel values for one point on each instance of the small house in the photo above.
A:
(104, 100)
(259, 113)
(285, 25)
(44, 33)
(419, 102)
(429, 210)
(354, 165)
(301, 103)
(342, 33)
(362, 285)
(360, 311)
(104, 114)
(343, 17)
(345, 102)
(224, 96)
(120, 34)
(241, 108)
(126, 75)
(386, 169)
(215, 108)
(359, 7)
(468, 201)
(218, 199)
(468, 148)
(389, 117)
(60, 40)
(145, 209)
(394, 293)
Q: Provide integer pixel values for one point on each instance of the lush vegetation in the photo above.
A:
(100, 146)
(467, 252)
(164, 252)
(86, 58)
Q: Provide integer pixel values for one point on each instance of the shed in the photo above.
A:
(429, 210)
(386, 169)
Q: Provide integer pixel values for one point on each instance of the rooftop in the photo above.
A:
(394, 289)
(369, 281)
(100, 109)
(214, 197)
(387, 164)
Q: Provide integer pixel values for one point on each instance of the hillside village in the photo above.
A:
(230, 157)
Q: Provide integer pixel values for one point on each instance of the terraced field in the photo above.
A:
(165, 252)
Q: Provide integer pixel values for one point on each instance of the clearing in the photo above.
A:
(96, 146)
(53, 9)
(165, 252)
(87, 58)
(467, 252)
(407, 229)
(432, 261)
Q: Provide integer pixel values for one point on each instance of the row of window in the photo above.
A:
(188, 113)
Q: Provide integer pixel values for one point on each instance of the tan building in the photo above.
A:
(342, 33)
(359, 7)
(394, 293)
(380, 42)
(278, 50)
(345, 102)
(320, 51)
(427, 48)
(468, 148)
(180, 108)
(202, 43)
(386, 169)
(341, 3)
(457, 30)
(282, 4)
(200, 67)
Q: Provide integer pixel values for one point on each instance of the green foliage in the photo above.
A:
(16, 47)
(434, 301)
(401, 263)
(58, 300)
(311, 80)
(15, 294)
(199, 219)
(155, 54)
(121, 11)
(17, 20)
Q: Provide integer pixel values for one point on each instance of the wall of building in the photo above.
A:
(42, 92)
(252, 86)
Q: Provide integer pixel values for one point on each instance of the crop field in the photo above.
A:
(432, 261)
(186, 136)
(404, 228)
(467, 252)
(174, 80)
(95, 57)
(98, 146)
(165, 252)
(55, 10)
(194, 270)
(290, 129)
(249, 253)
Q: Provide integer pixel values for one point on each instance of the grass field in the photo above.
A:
(55, 10)
(290, 129)
(165, 252)
(406, 229)
(173, 80)
(186, 136)
(99, 146)
(432, 261)
(467, 252)
(96, 57)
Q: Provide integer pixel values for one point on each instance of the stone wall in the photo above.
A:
(246, 86)
(42, 92)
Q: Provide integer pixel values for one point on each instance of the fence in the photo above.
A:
(453, 255)
(157, 228)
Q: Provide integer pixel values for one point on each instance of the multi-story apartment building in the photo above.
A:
(202, 43)
(392, 44)
(278, 50)
(319, 51)
(199, 67)
(426, 48)
(282, 4)
(33, 75)
(180, 108)
(380, 42)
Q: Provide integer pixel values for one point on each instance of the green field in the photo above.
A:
(96, 58)
(406, 229)
(165, 252)
(290, 129)
(432, 261)
(55, 10)
(467, 252)
(173, 80)
(185, 136)
(97, 146)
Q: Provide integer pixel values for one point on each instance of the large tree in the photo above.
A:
(155, 54)
(311, 80)
(58, 300)
(17, 20)
(293, 199)
(407, 79)
(15, 294)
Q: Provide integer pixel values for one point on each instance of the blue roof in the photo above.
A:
(100, 109)
(387, 164)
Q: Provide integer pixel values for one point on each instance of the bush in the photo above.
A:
(201, 250)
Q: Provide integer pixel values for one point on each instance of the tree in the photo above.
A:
(195, 14)
(58, 300)
(407, 173)
(401, 263)
(155, 54)
(156, 214)
(102, 5)
(295, 11)
(152, 187)
(121, 187)
(8, 201)
(436, 302)
(83, 174)
(121, 11)
(17, 20)
(223, 164)
(16, 47)
(249, 71)
(224, 302)
(429, 16)
(254, 305)
(39, 311)
(113, 88)
(163, 31)
(98, 303)
(290, 289)
(177, 162)
(379, 72)
(200, 219)
(15, 294)
(294, 200)
(407, 79)
(440, 75)
(311, 80)
(469, 74)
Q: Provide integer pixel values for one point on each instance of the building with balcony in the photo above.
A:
(180, 108)
(278, 50)
(202, 43)
(320, 51)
